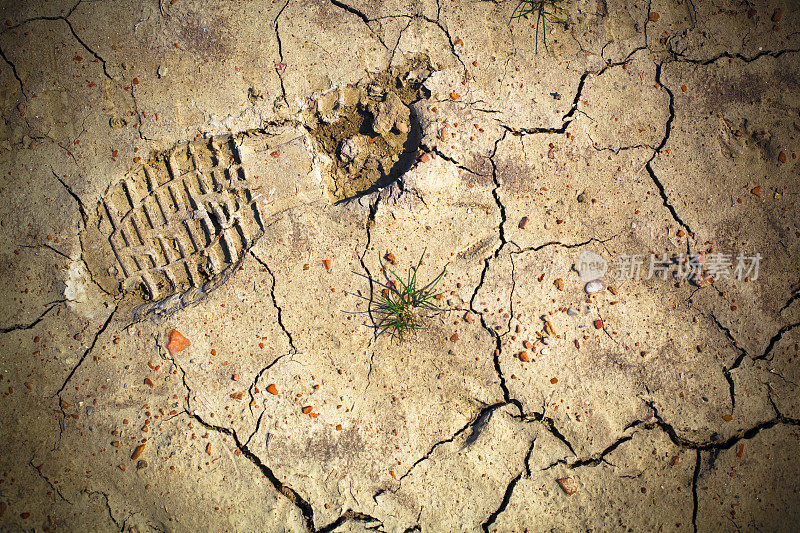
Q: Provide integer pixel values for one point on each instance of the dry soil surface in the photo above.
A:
(203, 202)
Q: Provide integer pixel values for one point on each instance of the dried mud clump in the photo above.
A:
(367, 131)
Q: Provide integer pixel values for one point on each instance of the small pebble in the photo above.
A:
(572, 312)
(137, 452)
(568, 485)
(594, 286)
(523, 223)
(545, 351)
(177, 342)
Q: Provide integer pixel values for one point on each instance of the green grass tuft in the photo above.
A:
(544, 10)
(400, 303)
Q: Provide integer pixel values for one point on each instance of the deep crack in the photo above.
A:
(649, 165)
(275, 304)
(88, 351)
(726, 444)
(351, 516)
(21, 327)
(305, 508)
(510, 489)
(695, 499)
(470, 424)
(726, 371)
(774, 340)
(13, 71)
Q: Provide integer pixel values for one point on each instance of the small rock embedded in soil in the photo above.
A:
(138, 451)
(572, 312)
(177, 342)
(594, 286)
(568, 485)
(348, 150)
(524, 223)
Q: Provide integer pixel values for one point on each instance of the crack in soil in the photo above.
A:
(121, 527)
(774, 340)
(551, 427)
(795, 295)
(501, 235)
(468, 425)
(66, 20)
(649, 165)
(305, 508)
(364, 18)
(727, 55)
(352, 516)
(22, 327)
(526, 471)
(695, 499)
(566, 120)
(87, 352)
(13, 71)
(281, 67)
(38, 470)
(278, 308)
(726, 371)
(726, 444)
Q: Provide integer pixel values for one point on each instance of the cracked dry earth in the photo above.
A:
(199, 200)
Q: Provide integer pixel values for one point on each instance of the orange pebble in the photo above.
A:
(177, 342)
(137, 452)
